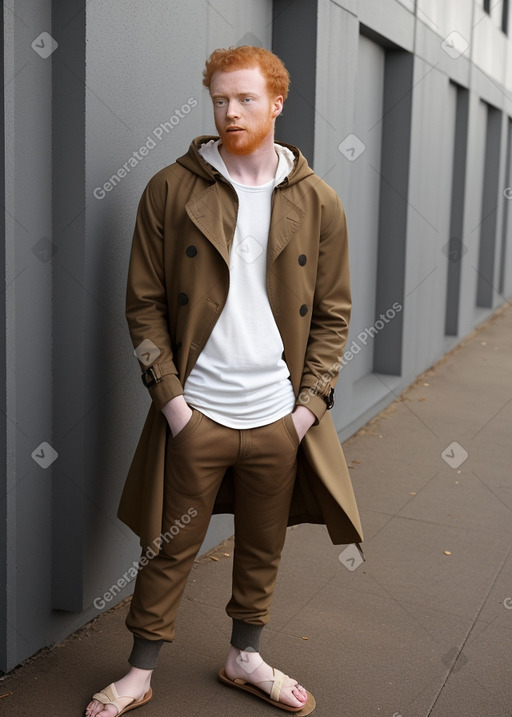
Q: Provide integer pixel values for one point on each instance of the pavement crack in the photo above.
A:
(468, 633)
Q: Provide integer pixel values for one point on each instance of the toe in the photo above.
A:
(299, 693)
(96, 709)
(292, 695)
(91, 708)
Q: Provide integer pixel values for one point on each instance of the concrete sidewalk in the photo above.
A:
(424, 627)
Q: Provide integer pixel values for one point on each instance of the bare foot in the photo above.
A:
(251, 667)
(134, 685)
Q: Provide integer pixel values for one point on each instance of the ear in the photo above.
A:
(277, 106)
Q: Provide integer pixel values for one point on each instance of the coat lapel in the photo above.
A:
(286, 220)
(216, 223)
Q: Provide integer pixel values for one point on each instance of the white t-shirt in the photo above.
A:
(240, 379)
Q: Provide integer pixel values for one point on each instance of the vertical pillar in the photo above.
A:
(456, 245)
(487, 249)
(294, 38)
(393, 205)
(68, 319)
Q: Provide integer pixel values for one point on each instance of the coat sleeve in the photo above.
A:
(146, 297)
(330, 317)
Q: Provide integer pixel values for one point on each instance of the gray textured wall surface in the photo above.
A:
(382, 92)
(27, 305)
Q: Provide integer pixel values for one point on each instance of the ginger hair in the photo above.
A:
(248, 56)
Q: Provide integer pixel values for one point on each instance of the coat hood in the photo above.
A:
(193, 161)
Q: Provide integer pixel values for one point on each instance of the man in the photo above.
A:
(238, 305)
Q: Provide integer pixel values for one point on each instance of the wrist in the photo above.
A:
(177, 412)
(303, 419)
(305, 414)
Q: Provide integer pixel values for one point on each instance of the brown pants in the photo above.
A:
(264, 467)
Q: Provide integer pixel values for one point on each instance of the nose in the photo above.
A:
(233, 110)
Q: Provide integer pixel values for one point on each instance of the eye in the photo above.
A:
(219, 103)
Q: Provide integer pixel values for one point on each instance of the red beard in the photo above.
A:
(247, 140)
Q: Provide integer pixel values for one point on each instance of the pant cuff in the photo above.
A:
(144, 654)
(245, 636)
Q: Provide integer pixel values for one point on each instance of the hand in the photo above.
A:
(178, 414)
(302, 419)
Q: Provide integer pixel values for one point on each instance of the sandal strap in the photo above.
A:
(110, 696)
(278, 681)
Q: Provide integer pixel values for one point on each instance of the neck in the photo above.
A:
(252, 169)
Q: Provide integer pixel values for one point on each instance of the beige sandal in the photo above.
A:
(109, 696)
(273, 698)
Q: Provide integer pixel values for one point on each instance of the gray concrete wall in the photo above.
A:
(454, 44)
(378, 76)
(27, 307)
(72, 118)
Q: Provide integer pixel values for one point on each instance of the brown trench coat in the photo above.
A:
(178, 280)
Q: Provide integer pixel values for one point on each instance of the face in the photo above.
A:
(243, 111)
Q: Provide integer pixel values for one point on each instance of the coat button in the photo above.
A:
(191, 250)
(302, 259)
(303, 310)
(182, 299)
